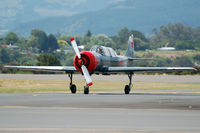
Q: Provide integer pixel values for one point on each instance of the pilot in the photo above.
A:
(99, 50)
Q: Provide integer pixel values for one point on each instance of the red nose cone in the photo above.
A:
(80, 62)
(87, 59)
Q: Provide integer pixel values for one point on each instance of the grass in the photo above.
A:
(33, 86)
(166, 54)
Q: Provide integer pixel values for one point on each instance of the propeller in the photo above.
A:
(74, 45)
(84, 69)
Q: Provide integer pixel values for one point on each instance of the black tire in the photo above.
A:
(127, 89)
(86, 90)
(73, 89)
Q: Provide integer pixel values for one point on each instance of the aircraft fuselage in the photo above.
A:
(117, 61)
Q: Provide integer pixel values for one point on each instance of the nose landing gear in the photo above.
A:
(86, 89)
(72, 86)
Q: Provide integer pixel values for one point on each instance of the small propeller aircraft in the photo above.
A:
(103, 60)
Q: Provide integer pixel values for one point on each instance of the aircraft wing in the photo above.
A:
(72, 69)
(145, 69)
(67, 69)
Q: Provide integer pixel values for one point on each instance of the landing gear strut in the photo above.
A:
(127, 88)
(72, 87)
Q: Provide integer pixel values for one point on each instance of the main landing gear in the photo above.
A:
(72, 86)
(127, 88)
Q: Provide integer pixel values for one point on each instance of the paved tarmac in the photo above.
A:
(101, 112)
(141, 111)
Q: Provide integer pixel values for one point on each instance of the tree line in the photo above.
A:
(41, 48)
(177, 35)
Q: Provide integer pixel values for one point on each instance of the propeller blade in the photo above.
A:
(74, 45)
(86, 75)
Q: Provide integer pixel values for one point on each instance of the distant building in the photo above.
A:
(10, 46)
(166, 49)
(81, 47)
(68, 49)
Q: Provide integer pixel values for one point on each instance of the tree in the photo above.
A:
(68, 37)
(183, 61)
(88, 34)
(138, 34)
(196, 35)
(181, 45)
(14, 55)
(123, 35)
(4, 56)
(64, 37)
(177, 35)
(140, 45)
(32, 44)
(41, 39)
(122, 38)
(197, 57)
(11, 38)
(101, 39)
(52, 43)
(48, 60)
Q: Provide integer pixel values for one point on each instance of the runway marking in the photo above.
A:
(69, 130)
(85, 108)
(86, 130)
(70, 108)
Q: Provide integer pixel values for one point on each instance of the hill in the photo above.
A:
(109, 18)
(15, 12)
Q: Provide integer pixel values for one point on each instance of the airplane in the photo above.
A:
(103, 60)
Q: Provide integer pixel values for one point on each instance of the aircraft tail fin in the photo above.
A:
(130, 50)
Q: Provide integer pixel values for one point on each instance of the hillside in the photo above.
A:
(109, 18)
(15, 12)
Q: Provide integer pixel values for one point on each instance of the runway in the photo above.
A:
(136, 78)
(101, 112)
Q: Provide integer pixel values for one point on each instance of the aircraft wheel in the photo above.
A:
(73, 88)
(86, 90)
(127, 89)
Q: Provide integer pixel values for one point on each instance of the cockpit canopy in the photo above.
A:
(104, 51)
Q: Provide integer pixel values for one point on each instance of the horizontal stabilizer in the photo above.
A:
(142, 59)
(197, 66)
